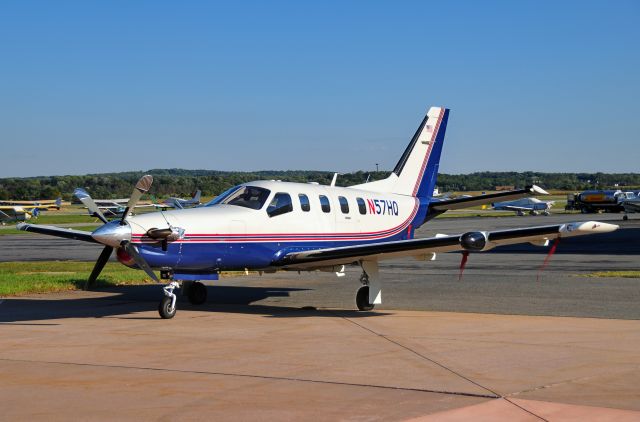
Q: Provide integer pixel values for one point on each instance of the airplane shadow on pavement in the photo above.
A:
(126, 301)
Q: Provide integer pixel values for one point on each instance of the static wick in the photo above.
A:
(463, 263)
(548, 257)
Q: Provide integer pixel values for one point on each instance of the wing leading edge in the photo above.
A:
(57, 231)
(420, 248)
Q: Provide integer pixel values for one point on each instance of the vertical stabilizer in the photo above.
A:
(417, 170)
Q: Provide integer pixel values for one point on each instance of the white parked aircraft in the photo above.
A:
(109, 207)
(269, 226)
(532, 206)
(630, 201)
(183, 203)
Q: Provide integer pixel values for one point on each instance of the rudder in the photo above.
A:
(416, 172)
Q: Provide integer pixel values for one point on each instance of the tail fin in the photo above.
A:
(417, 170)
(58, 202)
(196, 197)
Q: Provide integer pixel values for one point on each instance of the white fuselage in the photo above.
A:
(223, 235)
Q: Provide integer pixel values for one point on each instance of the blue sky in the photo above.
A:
(333, 85)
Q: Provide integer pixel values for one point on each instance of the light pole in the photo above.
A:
(376, 167)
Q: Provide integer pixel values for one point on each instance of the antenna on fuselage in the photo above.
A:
(333, 181)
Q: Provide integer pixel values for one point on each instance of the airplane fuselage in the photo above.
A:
(233, 237)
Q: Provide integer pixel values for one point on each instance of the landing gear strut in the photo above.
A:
(167, 307)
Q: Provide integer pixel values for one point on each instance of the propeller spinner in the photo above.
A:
(116, 234)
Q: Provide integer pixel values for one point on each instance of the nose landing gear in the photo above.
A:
(167, 307)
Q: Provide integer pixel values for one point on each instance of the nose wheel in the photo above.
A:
(167, 307)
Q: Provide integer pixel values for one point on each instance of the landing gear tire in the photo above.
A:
(625, 217)
(197, 293)
(362, 299)
(166, 308)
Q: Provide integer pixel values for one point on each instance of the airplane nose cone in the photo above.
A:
(112, 234)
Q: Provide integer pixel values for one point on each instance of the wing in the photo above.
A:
(57, 231)
(513, 208)
(418, 248)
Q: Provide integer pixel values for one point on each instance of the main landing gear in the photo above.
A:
(370, 294)
(362, 299)
(197, 293)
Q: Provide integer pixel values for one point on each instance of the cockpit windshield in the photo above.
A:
(243, 196)
(224, 195)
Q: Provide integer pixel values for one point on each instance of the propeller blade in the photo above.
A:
(143, 186)
(86, 199)
(140, 262)
(100, 263)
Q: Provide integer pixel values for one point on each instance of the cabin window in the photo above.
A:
(280, 204)
(304, 202)
(247, 196)
(361, 206)
(344, 204)
(324, 204)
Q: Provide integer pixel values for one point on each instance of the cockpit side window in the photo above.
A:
(248, 197)
(280, 204)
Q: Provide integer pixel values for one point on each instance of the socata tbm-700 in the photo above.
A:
(270, 225)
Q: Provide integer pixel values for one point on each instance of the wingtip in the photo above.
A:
(538, 190)
(593, 227)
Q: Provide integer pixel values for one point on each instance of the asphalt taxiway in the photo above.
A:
(502, 343)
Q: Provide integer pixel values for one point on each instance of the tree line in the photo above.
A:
(180, 182)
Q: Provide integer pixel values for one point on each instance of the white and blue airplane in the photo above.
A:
(181, 203)
(532, 206)
(270, 225)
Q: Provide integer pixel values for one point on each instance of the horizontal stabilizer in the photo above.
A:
(474, 201)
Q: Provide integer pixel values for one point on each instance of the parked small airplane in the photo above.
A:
(183, 203)
(269, 225)
(12, 213)
(532, 206)
(631, 204)
(112, 208)
(42, 204)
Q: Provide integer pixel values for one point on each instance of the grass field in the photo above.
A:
(50, 217)
(622, 274)
(18, 278)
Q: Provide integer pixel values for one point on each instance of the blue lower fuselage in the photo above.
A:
(203, 257)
